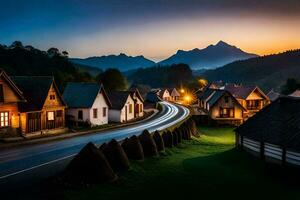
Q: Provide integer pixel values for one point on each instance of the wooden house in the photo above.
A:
(92, 107)
(138, 102)
(122, 106)
(174, 94)
(10, 96)
(221, 106)
(44, 109)
(251, 98)
(273, 134)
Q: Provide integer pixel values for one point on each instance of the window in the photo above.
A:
(226, 99)
(59, 113)
(130, 108)
(104, 112)
(1, 93)
(3, 119)
(52, 96)
(227, 112)
(80, 115)
(141, 107)
(95, 113)
(50, 116)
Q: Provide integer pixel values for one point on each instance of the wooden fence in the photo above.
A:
(268, 152)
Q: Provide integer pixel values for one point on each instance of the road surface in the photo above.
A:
(21, 169)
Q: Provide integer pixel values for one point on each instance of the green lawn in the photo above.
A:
(208, 167)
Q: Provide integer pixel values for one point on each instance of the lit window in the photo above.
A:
(3, 119)
(130, 108)
(50, 116)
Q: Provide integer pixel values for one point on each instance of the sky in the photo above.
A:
(153, 28)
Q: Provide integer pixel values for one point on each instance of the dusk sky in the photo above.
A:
(153, 28)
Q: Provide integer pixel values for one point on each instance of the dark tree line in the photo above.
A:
(163, 76)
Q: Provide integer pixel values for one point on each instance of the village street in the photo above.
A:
(22, 168)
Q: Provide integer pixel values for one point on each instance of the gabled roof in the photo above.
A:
(296, 93)
(12, 85)
(218, 94)
(136, 92)
(278, 123)
(171, 90)
(273, 95)
(118, 98)
(162, 91)
(35, 90)
(242, 91)
(206, 93)
(83, 95)
(152, 97)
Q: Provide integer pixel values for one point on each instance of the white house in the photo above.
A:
(87, 102)
(122, 106)
(138, 102)
(174, 94)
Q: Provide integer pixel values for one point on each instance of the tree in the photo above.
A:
(112, 79)
(16, 44)
(65, 54)
(290, 86)
(53, 52)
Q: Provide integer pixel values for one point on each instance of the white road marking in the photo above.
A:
(171, 111)
(37, 166)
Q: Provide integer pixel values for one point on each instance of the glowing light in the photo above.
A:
(182, 91)
(187, 98)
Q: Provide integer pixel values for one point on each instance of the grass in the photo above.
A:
(208, 167)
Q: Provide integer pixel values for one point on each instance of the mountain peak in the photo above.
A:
(222, 43)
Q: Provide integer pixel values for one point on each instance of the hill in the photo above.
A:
(210, 57)
(162, 76)
(268, 72)
(19, 60)
(121, 62)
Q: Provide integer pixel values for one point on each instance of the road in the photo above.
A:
(21, 169)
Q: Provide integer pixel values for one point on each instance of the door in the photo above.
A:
(33, 122)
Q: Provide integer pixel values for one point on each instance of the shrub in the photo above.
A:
(158, 141)
(133, 148)
(148, 144)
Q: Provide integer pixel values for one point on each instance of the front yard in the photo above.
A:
(208, 167)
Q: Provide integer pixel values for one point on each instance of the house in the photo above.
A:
(152, 97)
(44, 109)
(273, 133)
(296, 93)
(251, 98)
(138, 102)
(122, 106)
(174, 94)
(91, 107)
(273, 96)
(162, 94)
(221, 106)
(10, 96)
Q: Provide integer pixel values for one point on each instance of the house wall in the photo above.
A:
(9, 94)
(99, 104)
(140, 104)
(49, 105)
(120, 115)
(74, 113)
(13, 114)
(215, 110)
(114, 115)
(166, 95)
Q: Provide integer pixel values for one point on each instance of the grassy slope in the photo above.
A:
(207, 167)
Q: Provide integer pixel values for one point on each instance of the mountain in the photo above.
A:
(268, 72)
(122, 62)
(210, 57)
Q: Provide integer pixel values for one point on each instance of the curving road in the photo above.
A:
(24, 166)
